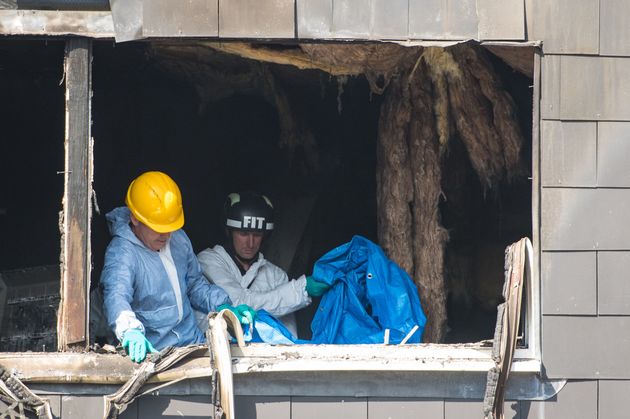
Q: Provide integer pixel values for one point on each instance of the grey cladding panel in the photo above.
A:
(314, 18)
(150, 407)
(328, 407)
(613, 399)
(586, 347)
(595, 88)
(468, 409)
(577, 400)
(569, 153)
(550, 94)
(501, 19)
(567, 342)
(256, 19)
(614, 31)
(166, 18)
(567, 26)
(613, 150)
(585, 219)
(443, 20)
(351, 19)
(343, 19)
(81, 407)
(405, 409)
(260, 407)
(390, 19)
(569, 283)
(613, 282)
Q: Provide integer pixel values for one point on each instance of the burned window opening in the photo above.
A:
(130, 137)
(32, 114)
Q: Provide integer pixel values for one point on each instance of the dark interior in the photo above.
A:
(147, 118)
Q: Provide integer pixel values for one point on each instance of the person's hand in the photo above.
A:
(244, 313)
(315, 288)
(137, 345)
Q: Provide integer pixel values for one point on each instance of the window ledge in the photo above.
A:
(94, 368)
(422, 357)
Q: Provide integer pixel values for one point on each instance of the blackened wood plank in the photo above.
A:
(72, 320)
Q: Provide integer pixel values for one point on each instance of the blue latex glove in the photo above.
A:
(137, 345)
(314, 288)
(244, 313)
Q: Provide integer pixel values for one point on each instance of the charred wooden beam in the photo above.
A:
(72, 326)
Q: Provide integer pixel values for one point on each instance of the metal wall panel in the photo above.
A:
(585, 219)
(595, 88)
(577, 333)
(256, 19)
(550, 94)
(191, 18)
(614, 31)
(501, 19)
(569, 153)
(261, 407)
(440, 19)
(613, 287)
(328, 407)
(529, 20)
(467, 409)
(567, 26)
(81, 407)
(389, 19)
(577, 400)
(405, 409)
(377, 19)
(314, 18)
(351, 19)
(613, 149)
(586, 347)
(151, 407)
(569, 283)
(613, 399)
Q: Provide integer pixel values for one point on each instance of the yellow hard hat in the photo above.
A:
(155, 200)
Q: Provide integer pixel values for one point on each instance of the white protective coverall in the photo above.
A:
(269, 286)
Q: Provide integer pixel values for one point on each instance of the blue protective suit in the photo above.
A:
(138, 293)
(369, 294)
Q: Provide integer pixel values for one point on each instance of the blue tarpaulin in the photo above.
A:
(369, 294)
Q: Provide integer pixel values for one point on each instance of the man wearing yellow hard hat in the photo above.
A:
(151, 279)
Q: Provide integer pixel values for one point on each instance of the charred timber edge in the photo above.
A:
(288, 374)
(110, 369)
(99, 24)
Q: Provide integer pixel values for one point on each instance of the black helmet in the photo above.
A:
(249, 211)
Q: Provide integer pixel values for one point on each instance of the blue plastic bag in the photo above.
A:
(369, 294)
(270, 330)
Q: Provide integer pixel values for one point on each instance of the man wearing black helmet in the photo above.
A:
(242, 271)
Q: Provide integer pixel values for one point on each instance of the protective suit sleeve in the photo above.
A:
(117, 283)
(285, 297)
(204, 296)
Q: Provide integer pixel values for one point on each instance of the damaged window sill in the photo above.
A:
(261, 358)
(422, 357)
